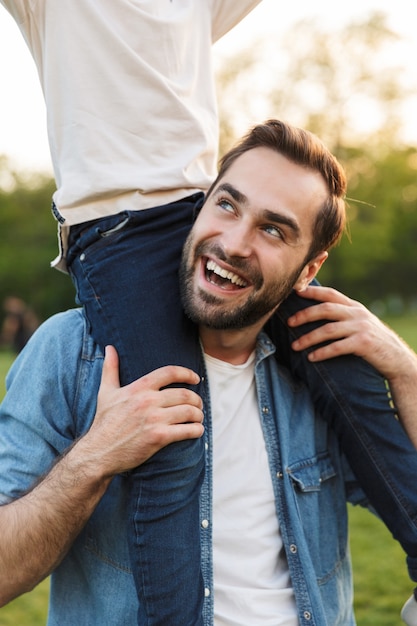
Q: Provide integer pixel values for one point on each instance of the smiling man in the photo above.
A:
(263, 216)
(273, 522)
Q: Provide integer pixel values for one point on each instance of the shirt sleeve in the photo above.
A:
(227, 13)
(37, 421)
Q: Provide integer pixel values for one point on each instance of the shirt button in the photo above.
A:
(82, 256)
(206, 446)
(205, 523)
(206, 592)
(280, 475)
(293, 548)
(265, 409)
(307, 615)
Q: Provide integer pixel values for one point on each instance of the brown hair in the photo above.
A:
(306, 149)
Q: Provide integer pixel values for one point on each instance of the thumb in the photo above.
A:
(110, 375)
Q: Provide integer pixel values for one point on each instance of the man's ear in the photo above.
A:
(310, 271)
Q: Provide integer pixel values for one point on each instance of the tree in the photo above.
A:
(28, 243)
(343, 85)
(317, 79)
(377, 260)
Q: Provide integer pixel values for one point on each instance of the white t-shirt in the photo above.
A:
(131, 106)
(252, 584)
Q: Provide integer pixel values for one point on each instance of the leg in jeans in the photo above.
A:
(355, 400)
(125, 269)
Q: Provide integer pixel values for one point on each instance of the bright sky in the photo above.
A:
(22, 111)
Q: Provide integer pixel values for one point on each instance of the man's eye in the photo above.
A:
(274, 231)
(226, 205)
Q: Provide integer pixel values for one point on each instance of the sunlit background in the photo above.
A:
(346, 71)
(348, 74)
(22, 113)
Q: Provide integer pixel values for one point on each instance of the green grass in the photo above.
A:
(381, 583)
(28, 610)
(6, 359)
(31, 608)
(380, 576)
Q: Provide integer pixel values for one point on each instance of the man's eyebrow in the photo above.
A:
(279, 218)
(232, 191)
(271, 216)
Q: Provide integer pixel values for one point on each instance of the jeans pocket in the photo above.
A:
(84, 236)
(113, 229)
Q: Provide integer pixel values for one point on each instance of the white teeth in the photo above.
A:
(234, 278)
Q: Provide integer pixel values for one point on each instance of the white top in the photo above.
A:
(131, 106)
(251, 579)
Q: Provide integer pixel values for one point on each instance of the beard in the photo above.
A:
(213, 312)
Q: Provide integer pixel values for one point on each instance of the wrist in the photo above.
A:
(85, 468)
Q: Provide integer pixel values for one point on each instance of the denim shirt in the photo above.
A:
(51, 400)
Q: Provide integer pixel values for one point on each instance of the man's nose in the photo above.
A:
(238, 240)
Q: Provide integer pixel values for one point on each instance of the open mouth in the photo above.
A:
(223, 278)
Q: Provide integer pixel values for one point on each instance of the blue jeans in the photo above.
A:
(138, 255)
(125, 269)
(354, 398)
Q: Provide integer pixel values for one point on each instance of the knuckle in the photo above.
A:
(329, 329)
(191, 414)
(184, 395)
(144, 403)
(170, 370)
(327, 308)
(145, 380)
(365, 340)
(159, 437)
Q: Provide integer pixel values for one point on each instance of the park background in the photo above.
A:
(348, 77)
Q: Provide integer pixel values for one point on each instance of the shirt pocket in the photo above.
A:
(319, 493)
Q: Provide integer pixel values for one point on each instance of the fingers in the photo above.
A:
(167, 375)
(135, 421)
(156, 380)
(337, 336)
(156, 386)
(189, 430)
(323, 312)
(325, 294)
(178, 415)
(347, 326)
(110, 375)
(162, 377)
(152, 393)
(336, 347)
(179, 397)
(332, 306)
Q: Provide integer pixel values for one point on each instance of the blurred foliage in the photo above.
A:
(376, 262)
(28, 243)
(346, 85)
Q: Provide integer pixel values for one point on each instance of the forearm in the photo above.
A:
(403, 386)
(130, 425)
(353, 329)
(37, 530)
